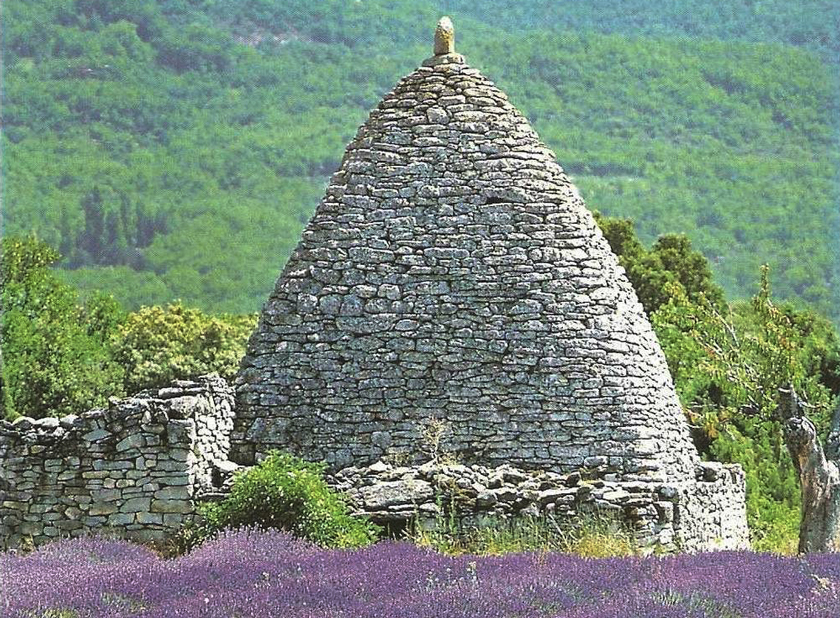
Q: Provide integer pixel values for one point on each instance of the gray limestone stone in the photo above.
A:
(456, 270)
(90, 475)
(171, 506)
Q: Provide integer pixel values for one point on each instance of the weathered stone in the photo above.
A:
(149, 518)
(136, 505)
(96, 435)
(551, 495)
(485, 499)
(132, 441)
(397, 493)
(693, 519)
(92, 475)
(173, 493)
(121, 519)
(444, 37)
(495, 295)
(102, 508)
(171, 506)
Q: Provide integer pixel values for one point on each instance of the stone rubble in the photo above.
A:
(661, 515)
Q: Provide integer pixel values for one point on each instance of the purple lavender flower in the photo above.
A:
(250, 574)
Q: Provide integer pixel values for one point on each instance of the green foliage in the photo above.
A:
(288, 493)
(61, 355)
(671, 266)
(728, 367)
(728, 362)
(812, 24)
(156, 345)
(773, 494)
(175, 149)
(745, 355)
(55, 354)
(591, 535)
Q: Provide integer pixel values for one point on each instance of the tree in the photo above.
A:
(728, 366)
(669, 267)
(156, 345)
(55, 355)
(818, 468)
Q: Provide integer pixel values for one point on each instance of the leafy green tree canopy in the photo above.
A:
(156, 345)
(670, 267)
(54, 351)
(728, 366)
(64, 356)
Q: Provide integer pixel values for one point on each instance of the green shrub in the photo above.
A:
(54, 356)
(288, 493)
(156, 345)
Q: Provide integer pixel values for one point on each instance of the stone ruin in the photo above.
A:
(452, 295)
(135, 468)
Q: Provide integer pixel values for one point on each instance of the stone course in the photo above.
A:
(134, 468)
(703, 514)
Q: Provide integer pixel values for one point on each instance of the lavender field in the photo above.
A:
(264, 574)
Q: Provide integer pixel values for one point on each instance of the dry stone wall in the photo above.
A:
(134, 468)
(707, 513)
(713, 509)
(452, 272)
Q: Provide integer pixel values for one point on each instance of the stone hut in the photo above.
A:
(453, 294)
(452, 273)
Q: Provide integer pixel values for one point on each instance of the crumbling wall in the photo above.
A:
(714, 512)
(137, 468)
(134, 468)
(701, 515)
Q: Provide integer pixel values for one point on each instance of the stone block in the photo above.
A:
(149, 518)
(133, 441)
(29, 527)
(176, 492)
(102, 508)
(96, 435)
(121, 519)
(136, 505)
(172, 506)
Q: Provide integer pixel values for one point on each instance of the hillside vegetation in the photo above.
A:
(175, 149)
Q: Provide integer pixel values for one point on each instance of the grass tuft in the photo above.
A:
(591, 535)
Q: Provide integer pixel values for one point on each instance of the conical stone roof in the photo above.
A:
(452, 281)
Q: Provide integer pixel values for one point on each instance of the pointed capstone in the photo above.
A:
(444, 45)
(452, 280)
(444, 37)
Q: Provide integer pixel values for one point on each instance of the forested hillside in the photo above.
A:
(175, 149)
(812, 24)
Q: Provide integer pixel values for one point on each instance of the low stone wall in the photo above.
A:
(702, 515)
(713, 513)
(138, 467)
(134, 468)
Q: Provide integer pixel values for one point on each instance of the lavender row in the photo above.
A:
(264, 574)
